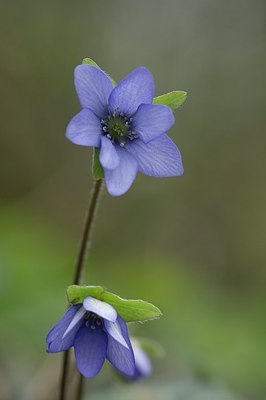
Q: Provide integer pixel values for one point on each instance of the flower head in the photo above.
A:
(97, 332)
(122, 121)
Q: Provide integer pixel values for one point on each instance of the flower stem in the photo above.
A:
(86, 237)
(80, 387)
(83, 250)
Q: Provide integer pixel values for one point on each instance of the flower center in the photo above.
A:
(117, 128)
(92, 320)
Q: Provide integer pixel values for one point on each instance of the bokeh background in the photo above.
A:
(195, 245)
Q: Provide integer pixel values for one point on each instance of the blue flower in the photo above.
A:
(122, 121)
(97, 332)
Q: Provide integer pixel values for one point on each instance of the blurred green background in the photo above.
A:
(195, 245)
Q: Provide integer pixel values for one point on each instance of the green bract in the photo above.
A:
(172, 99)
(129, 310)
(89, 61)
(76, 294)
(97, 169)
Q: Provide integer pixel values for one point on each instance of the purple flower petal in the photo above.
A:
(108, 155)
(102, 309)
(159, 158)
(120, 357)
(90, 347)
(55, 340)
(85, 129)
(76, 319)
(119, 180)
(93, 88)
(143, 363)
(114, 330)
(135, 89)
(151, 121)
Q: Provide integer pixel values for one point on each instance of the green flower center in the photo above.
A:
(118, 129)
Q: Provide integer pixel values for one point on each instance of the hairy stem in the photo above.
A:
(79, 267)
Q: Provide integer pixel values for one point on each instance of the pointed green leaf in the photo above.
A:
(76, 294)
(97, 170)
(132, 310)
(172, 99)
(89, 61)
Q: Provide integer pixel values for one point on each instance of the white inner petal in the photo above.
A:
(102, 309)
(77, 317)
(114, 330)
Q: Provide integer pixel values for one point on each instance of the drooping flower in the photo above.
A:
(122, 121)
(97, 332)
